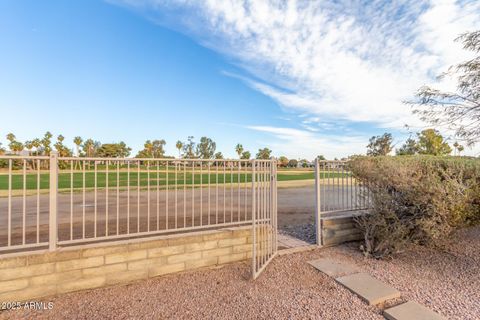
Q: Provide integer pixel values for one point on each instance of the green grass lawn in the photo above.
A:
(143, 178)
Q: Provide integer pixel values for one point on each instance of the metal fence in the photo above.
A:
(59, 201)
(264, 232)
(337, 190)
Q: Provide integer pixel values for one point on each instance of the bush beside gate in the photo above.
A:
(416, 199)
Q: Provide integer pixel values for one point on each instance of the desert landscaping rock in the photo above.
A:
(371, 290)
(333, 268)
(411, 311)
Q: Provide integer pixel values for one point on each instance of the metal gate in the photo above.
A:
(264, 214)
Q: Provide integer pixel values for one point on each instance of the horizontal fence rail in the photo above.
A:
(62, 201)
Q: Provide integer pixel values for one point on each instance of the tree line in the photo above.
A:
(427, 142)
(206, 148)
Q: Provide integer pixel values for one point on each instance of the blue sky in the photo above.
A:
(302, 78)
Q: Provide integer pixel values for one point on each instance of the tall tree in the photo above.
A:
(219, 156)
(152, 149)
(458, 148)
(90, 147)
(410, 147)
(29, 146)
(62, 150)
(460, 110)
(179, 146)
(15, 146)
(283, 161)
(264, 153)
(46, 143)
(321, 157)
(189, 148)
(430, 141)
(380, 145)
(239, 150)
(246, 155)
(206, 148)
(114, 150)
(293, 163)
(78, 142)
(37, 144)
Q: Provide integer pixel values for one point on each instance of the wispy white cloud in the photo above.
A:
(345, 60)
(294, 143)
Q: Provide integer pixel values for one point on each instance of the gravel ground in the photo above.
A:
(446, 281)
(305, 232)
(288, 289)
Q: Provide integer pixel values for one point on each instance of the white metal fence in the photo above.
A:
(58, 201)
(264, 232)
(337, 191)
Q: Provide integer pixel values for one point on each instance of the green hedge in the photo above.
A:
(416, 199)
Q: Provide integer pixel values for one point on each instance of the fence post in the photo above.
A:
(52, 215)
(318, 222)
(254, 231)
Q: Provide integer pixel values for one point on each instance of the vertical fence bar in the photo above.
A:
(9, 217)
(184, 194)
(138, 195)
(201, 193)
(158, 195)
(24, 200)
(83, 200)
(193, 193)
(148, 195)
(106, 197)
(71, 200)
(95, 198)
(38, 201)
(176, 197)
(52, 221)
(128, 197)
(254, 231)
(209, 187)
(224, 190)
(166, 195)
(118, 197)
(318, 227)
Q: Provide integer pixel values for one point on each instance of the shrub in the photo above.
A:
(416, 199)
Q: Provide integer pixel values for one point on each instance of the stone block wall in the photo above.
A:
(37, 275)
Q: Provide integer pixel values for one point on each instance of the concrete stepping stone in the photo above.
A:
(333, 268)
(368, 288)
(411, 311)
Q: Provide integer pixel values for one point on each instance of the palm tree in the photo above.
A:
(239, 150)
(11, 137)
(36, 143)
(78, 141)
(179, 146)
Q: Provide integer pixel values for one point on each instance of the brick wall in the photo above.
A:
(44, 274)
(339, 229)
